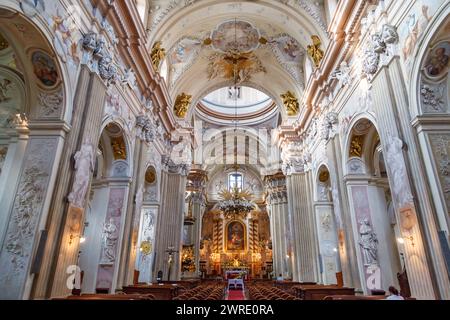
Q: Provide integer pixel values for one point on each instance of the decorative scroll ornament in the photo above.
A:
(182, 105)
(158, 54)
(235, 203)
(314, 50)
(290, 103)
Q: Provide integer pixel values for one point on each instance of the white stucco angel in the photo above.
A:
(399, 177)
(84, 166)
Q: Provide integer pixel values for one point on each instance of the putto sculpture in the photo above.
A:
(158, 54)
(182, 105)
(290, 102)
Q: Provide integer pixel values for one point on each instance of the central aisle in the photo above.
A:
(235, 295)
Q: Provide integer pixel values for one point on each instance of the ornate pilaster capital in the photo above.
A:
(379, 46)
(99, 57)
(171, 166)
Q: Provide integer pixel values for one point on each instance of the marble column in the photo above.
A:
(305, 249)
(197, 179)
(278, 207)
(169, 229)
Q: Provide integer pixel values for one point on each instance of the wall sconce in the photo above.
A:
(72, 237)
(401, 240)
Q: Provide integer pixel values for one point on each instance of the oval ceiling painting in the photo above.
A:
(235, 35)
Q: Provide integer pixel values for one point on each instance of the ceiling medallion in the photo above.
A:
(238, 35)
(235, 203)
(234, 65)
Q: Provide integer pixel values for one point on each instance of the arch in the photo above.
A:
(322, 180)
(346, 158)
(370, 202)
(43, 40)
(421, 51)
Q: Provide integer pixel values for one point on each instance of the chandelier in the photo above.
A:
(235, 203)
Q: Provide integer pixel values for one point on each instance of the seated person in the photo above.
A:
(280, 277)
(394, 294)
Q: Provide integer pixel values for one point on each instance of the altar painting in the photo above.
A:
(235, 236)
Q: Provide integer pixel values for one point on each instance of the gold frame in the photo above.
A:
(226, 236)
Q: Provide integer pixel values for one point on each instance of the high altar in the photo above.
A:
(236, 247)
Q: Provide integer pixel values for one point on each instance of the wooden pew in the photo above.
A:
(288, 285)
(352, 297)
(318, 292)
(187, 284)
(160, 291)
(88, 296)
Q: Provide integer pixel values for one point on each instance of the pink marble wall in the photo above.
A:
(105, 272)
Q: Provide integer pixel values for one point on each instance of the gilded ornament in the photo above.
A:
(290, 103)
(356, 146)
(314, 50)
(158, 54)
(182, 105)
(150, 176)
(146, 247)
(324, 176)
(119, 149)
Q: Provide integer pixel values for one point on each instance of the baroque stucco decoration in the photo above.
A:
(17, 248)
(379, 46)
(99, 57)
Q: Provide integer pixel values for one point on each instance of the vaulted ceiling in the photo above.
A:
(272, 37)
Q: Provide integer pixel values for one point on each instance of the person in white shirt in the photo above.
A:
(394, 294)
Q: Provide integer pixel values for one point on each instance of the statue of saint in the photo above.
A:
(110, 237)
(84, 166)
(368, 242)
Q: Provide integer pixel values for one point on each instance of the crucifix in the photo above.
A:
(170, 250)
